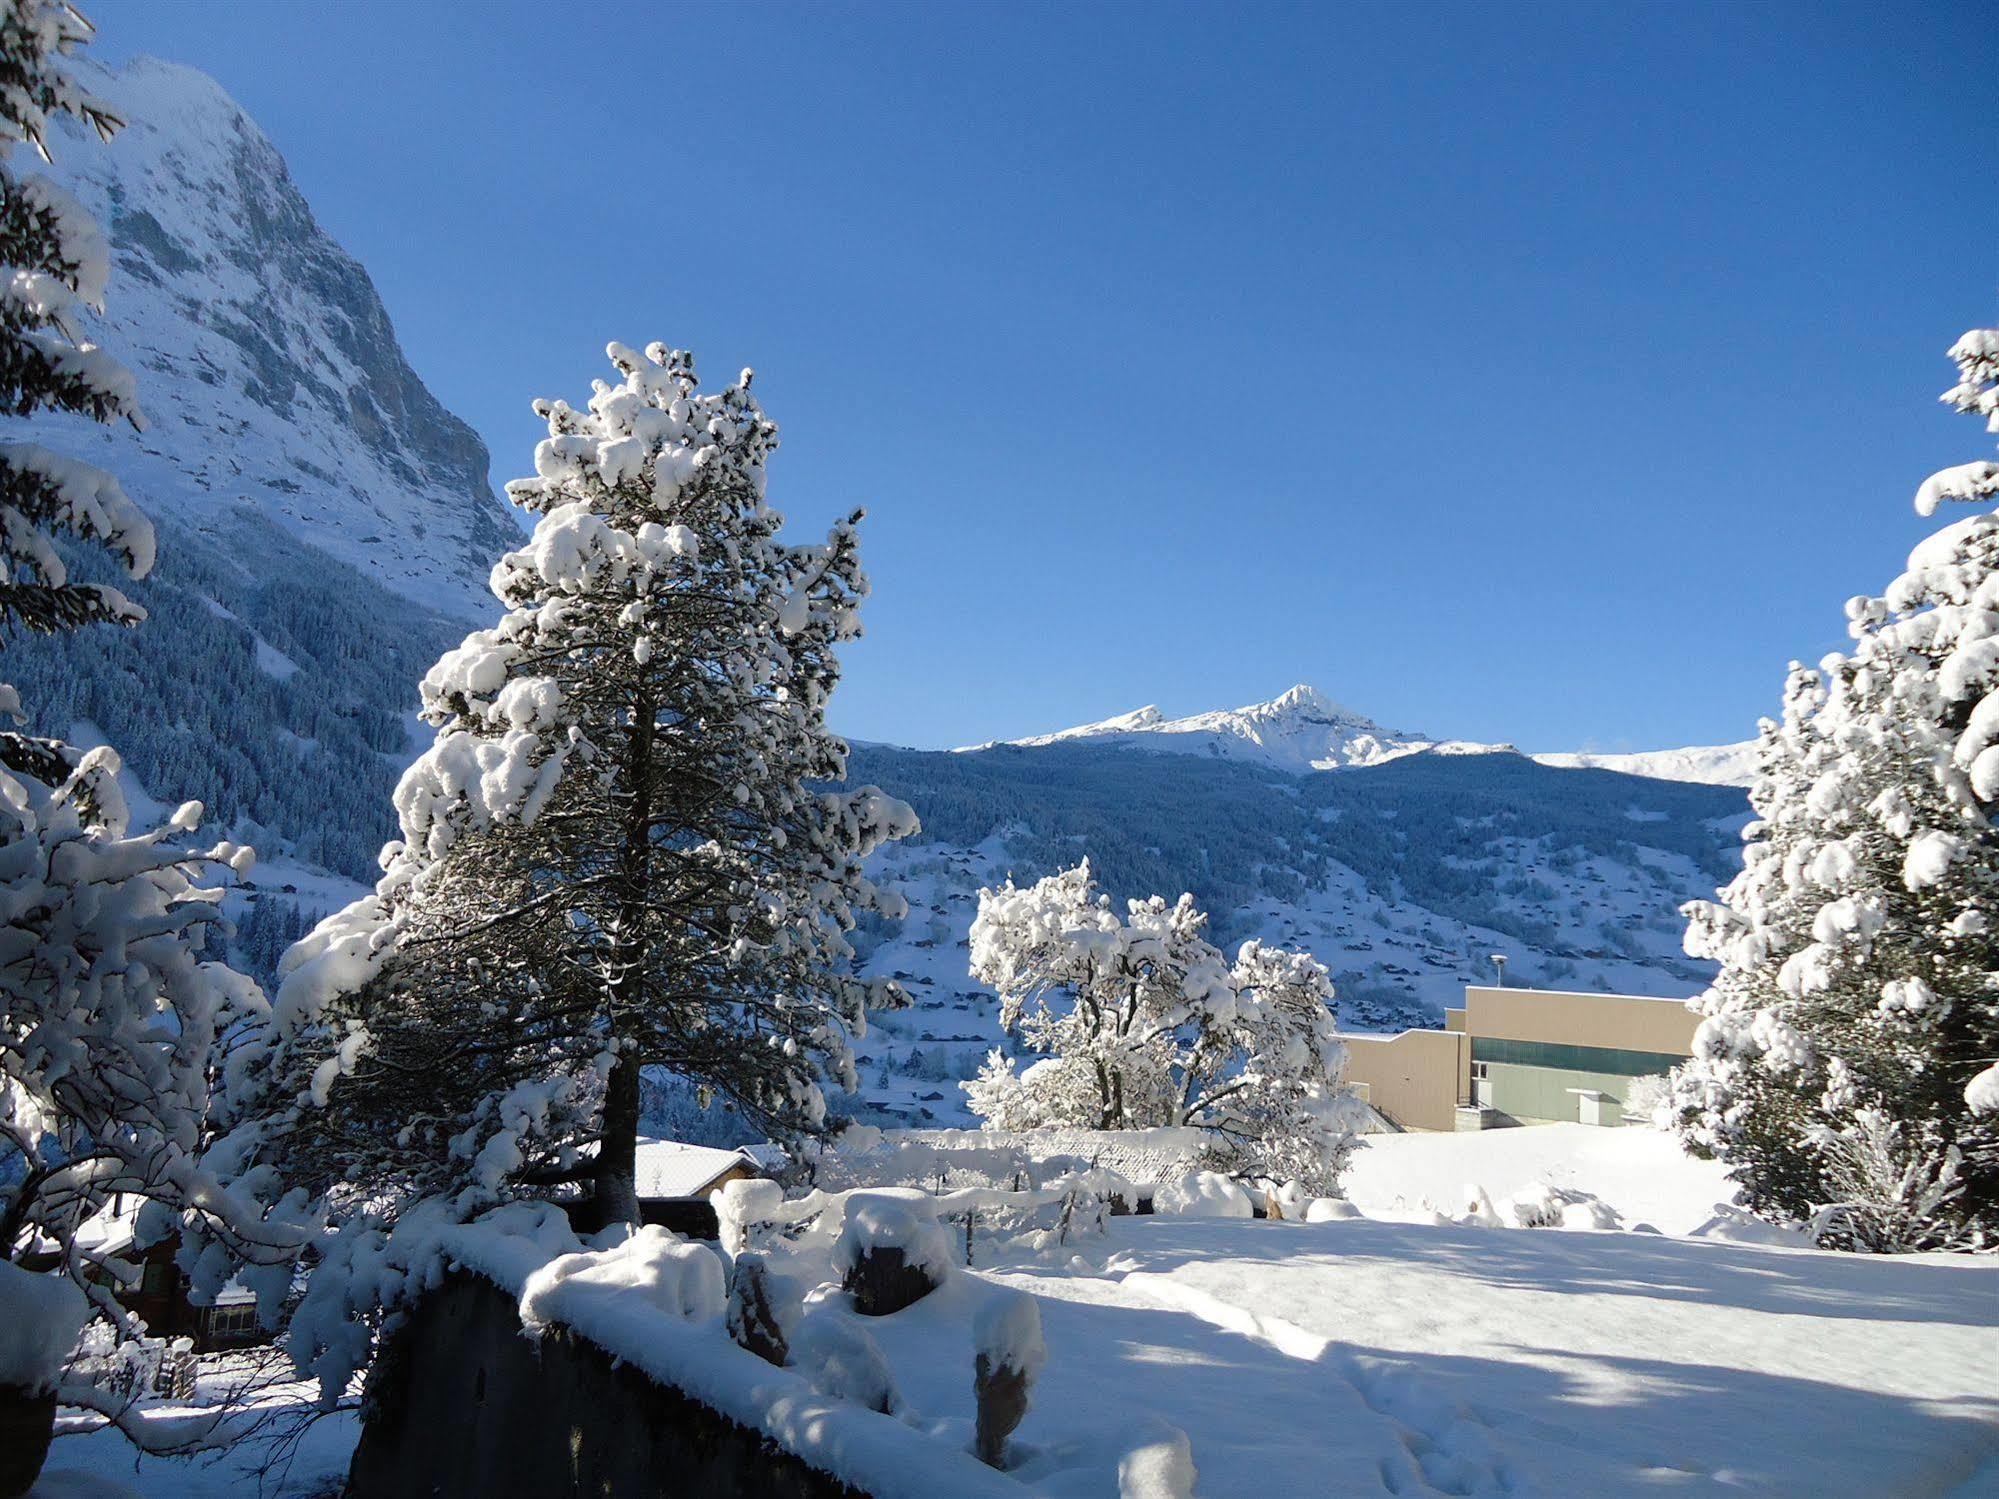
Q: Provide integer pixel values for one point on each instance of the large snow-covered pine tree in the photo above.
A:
(625, 848)
(1140, 1021)
(1845, 1067)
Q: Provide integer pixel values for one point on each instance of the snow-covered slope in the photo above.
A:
(267, 367)
(1707, 765)
(1299, 730)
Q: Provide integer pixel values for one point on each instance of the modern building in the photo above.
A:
(1521, 1056)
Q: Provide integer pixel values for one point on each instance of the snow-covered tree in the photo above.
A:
(112, 1019)
(624, 848)
(1850, 1038)
(1140, 1021)
(57, 264)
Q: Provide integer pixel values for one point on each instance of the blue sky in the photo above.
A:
(1546, 373)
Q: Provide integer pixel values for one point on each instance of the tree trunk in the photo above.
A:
(27, 1424)
(616, 1185)
(614, 1188)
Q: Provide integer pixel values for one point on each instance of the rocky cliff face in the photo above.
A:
(326, 526)
(267, 365)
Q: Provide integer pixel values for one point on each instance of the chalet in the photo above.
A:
(676, 1183)
(148, 1283)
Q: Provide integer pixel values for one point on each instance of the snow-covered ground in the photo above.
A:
(1642, 1173)
(1367, 1357)
(1391, 1354)
(292, 1454)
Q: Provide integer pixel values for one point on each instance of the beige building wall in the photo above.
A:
(1618, 1021)
(1418, 1079)
(1415, 1079)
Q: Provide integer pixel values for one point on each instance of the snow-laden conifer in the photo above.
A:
(625, 848)
(56, 265)
(1839, 1065)
(1140, 1021)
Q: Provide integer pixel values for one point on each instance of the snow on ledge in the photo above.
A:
(606, 1297)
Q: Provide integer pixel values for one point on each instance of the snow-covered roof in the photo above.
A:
(669, 1168)
(769, 1156)
(112, 1230)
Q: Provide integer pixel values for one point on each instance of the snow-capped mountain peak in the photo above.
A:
(1301, 729)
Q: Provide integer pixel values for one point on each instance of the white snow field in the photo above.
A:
(1391, 1353)
(1642, 1173)
(1363, 1357)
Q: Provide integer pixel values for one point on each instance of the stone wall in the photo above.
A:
(461, 1404)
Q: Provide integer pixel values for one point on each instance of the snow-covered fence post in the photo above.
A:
(971, 1221)
(1010, 1354)
(753, 1320)
(892, 1251)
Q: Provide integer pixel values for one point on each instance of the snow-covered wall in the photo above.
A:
(464, 1406)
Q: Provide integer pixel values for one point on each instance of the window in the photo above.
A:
(157, 1278)
(238, 1320)
(1616, 1061)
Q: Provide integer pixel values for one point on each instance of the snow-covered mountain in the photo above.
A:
(267, 366)
(1303, 729)
(1299, 730)
(326, 526)
(1707, 765)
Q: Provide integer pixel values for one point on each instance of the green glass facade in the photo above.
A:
(1601, 1060)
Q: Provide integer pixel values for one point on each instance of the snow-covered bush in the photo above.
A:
(1143, 1022)
(1889, 1193)
(842, 1361)
(132, 1368)
(742, 1209)
(757, 1316)
(898, 1218)
(1202, 1194)
(1290, 1199)
(1538, 1205)
(1648, 1102)
(1857, 1007)
(1330, 1210)
(892, 1251)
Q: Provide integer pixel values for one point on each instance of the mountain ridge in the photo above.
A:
(1303, 731)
